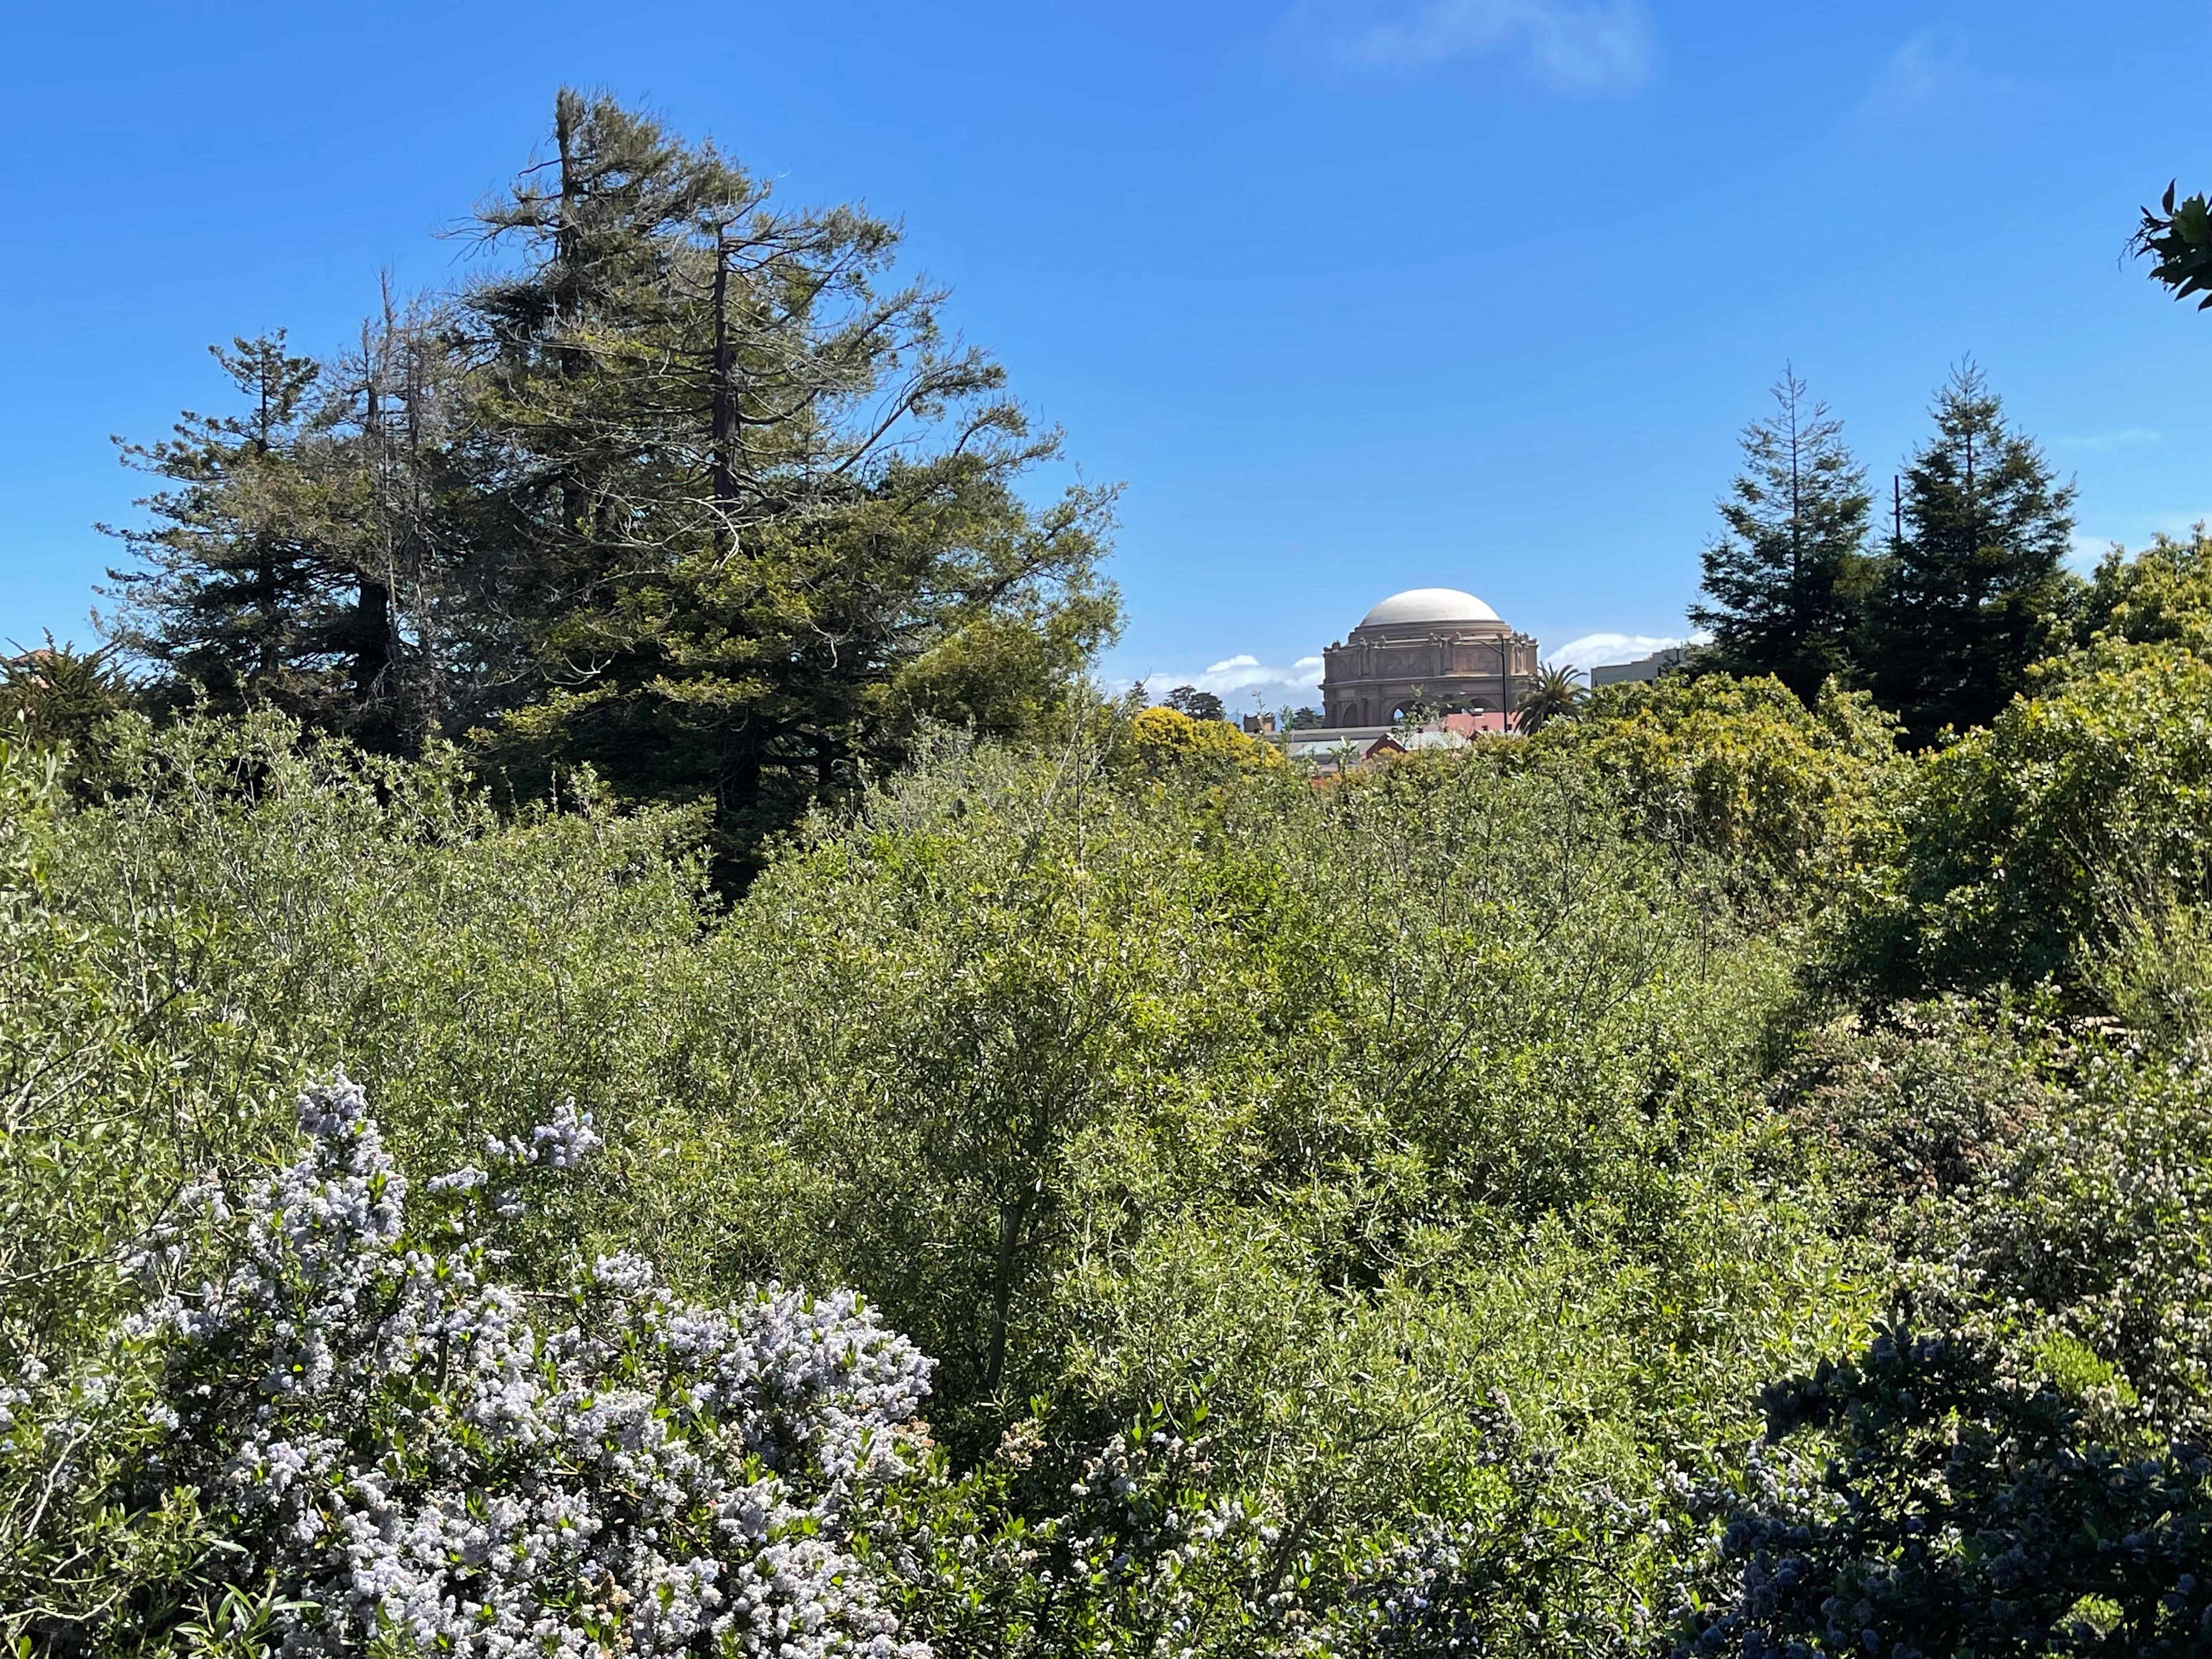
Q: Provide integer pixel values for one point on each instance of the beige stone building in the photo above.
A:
(1435, 648)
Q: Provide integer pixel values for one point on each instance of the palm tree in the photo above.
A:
(1554, 694)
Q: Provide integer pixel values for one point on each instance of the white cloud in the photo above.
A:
(1577, 45)
(1936, 71)
(1236, 679)
(2133, 434)
(1594, 650)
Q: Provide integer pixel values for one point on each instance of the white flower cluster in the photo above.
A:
(1170, 1556)
(14, 1396)
(414, 1457)
(560, 1145)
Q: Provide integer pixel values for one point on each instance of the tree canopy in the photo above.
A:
(1975, 588)
(1787, 577)
(693, 489)
(2175, 236)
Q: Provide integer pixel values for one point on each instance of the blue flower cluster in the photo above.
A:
(421, 1453)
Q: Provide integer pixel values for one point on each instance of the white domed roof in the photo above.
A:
(1429, 605)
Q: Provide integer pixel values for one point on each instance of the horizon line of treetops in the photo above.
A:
(1939, 619)
(694, 489)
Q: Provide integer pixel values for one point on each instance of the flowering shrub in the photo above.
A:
(1142, 1553)
(410, 1449)
(394, 1451)
(1165, 741)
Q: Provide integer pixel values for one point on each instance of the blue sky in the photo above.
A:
(1352, 295)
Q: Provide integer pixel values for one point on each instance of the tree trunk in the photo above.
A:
(372, 641)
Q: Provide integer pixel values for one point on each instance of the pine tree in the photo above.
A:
(692, 490)
(749, 514)
(1975, 588)
(1199, 705)
(413, 655)
(241, 589)
(1787, 575)
(298, 559)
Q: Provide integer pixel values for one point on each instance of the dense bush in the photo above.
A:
(412, 1452)
(1372, 1107)
(1961, 1510)
(2026, 844)
(2164, 594)
(1166, 739)
(2018, 1465)
(1794, 800)
(1346, 1220)
(1916, 1106)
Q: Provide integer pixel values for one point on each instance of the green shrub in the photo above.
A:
(1794, 802)
(1916, 1106)
(2164, 594)
(1959, 1511)
(1410, 1128)
(1369, 1104)
(2025, 844)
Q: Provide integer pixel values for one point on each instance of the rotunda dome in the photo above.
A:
(1429, 605)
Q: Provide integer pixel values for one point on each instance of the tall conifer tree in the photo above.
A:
(749, 513)
(412, 649)
(295, 558)
(1787, 575)
(1975, 588)
(693, 491)
(240, 590)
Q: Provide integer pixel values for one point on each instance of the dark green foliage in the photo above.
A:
(243, 593)
(2176, 237)
(57, 697)
(1918, 1106)
(694, 490)
(752, 516)
(1199, 705)
(2087, 1237)
(2043, 1177)
(300, 562)
(420, 654)
(2017, 1466)
(1975, 591)
(1963, 1510)
(1788, 577)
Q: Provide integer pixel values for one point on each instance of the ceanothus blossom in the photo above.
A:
(418, 1453)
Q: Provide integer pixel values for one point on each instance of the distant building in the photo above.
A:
(1644, 668)
(1435, 650)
